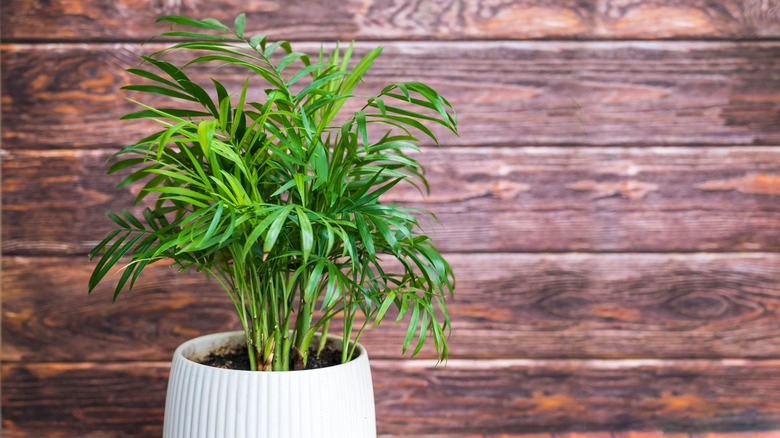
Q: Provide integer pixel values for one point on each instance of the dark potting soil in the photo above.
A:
(228, 359)
(238, 359)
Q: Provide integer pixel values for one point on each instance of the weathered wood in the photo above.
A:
(507, 93)
(355, 19)
(487, 199)
(84, 399)
(505, 306)
(526, 396)
(687, 19)
(412, 397)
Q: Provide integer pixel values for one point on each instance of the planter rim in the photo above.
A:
(221, 338)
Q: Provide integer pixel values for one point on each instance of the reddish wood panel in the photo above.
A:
(507, 93)
(687, 19)
(366, 19)
(505, 306)
(536, 396)
(658, 434)
(412, 397)
(541, 340)
(84, 399)
(487, 199)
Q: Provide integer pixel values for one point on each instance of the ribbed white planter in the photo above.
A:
(208, 402)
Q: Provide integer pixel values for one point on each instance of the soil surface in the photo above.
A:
(238, 359)
(231, 360)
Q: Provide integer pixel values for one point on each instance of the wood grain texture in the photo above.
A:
(487, 199)
(372, 19)
(506, 306)
(84, 400)
(687, 19)
(538, 396)
(546, 341)
(507, 93)
(412, 397)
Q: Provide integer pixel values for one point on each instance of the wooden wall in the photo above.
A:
(612, 211)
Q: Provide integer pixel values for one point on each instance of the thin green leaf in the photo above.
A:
(196, 35)
(132, 220)
(152, 76)
(412, 329)
(240, 23)
(314, 280)
(208, 23)
(307, 235)
(388, 301)
(423, 332)
(255, 234)
(316, 83)
(99, 247)
(117, 220)
(365, 235)
(258, 40)
(300, 184)
(124, 164)
(406, 121)
(276, 228)
(360, 121)
(147, 114)
(206, 130)
(215, 221)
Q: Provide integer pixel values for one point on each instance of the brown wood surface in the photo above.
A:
(506, 306)
(611, 211)
(487, 199)
(507, 93)
(84, 400)
(599, 434)
(374, 19)
(466, 397)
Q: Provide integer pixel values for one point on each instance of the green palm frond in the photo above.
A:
(277, 202)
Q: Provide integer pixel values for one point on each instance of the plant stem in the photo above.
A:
(348, 319)
(323, 337)
(280, 359)
(251, 351)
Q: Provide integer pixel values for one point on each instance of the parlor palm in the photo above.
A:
(277, 199)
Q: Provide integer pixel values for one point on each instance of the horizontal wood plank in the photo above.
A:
(507, 93)
(412, 397)
(505, 306)
(85, 400)
(554, 344)
(487, 199)
(356, 19)
(537, 396)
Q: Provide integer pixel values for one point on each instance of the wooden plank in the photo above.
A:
(487, 199)
(354, 19)
(84, 399)
(505, 306)
(538, 396)
(507, 93)
(412, 397)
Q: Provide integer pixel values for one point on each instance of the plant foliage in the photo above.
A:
(278, 201)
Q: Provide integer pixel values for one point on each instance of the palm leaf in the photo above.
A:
(257, 186)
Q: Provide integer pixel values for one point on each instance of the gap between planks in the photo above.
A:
(473, 364)
(603, 44)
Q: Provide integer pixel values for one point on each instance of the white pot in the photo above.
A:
(208, 402)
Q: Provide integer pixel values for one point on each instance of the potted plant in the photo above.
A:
(274, 192)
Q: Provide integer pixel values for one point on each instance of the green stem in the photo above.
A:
(258, 335)
(303, 324)
(348, 319)
(323, 337)
(355, 342)
(275, 329)
(251, 352)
